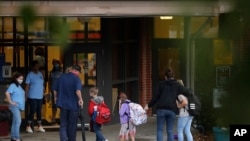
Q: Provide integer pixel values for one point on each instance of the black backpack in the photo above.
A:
(194, 104)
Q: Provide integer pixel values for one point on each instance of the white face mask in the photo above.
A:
(20, 81)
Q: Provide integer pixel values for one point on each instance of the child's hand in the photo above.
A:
(95, 108)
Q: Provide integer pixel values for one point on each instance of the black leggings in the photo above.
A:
(35, 106)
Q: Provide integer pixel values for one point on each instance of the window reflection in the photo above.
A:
(87, 61)
(169, 57)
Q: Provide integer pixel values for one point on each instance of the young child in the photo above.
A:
(127, 127)
(92, 110)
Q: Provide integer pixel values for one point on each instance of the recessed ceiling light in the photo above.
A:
(166, 17)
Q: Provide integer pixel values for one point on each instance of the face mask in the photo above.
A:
(56, 65)
(20, 81)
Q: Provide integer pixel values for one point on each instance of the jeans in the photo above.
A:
(16, 122)
(68, 125)
(97, 128)
(98, 132)
(168, 116)
(184, 123)
(35, 107)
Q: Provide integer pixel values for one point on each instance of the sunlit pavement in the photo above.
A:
(145, 132)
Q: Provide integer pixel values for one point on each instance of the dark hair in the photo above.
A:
(169, 73)
(55, 61)
(14, 77)
(122, 96)
(34, 63)
(76, 67)
(39, 51)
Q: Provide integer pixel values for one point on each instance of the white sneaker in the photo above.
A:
(106, 140)
(29, 130)
(40, 129)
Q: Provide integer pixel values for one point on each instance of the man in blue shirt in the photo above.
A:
(68, 97)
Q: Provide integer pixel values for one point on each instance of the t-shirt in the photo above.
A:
(54, 76)
(66, 88)
(17, 95)
(183, 111)
(36, 87)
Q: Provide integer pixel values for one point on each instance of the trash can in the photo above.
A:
(4, 125)
(220, 134)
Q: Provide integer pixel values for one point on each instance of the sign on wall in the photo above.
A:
(222, 75)
(217, 94)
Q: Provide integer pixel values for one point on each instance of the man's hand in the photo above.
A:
(80, 102)
(55, 99)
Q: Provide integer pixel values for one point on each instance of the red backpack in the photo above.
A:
(103, 114)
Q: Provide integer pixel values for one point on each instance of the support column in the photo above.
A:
(145, 62)
(187, 35)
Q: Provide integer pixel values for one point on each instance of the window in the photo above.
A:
(169, 57)
(171, 28)
(78, 28)
(87, 61)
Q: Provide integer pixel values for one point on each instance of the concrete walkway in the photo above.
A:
(146, 132)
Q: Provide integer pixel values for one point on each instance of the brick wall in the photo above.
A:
(145, 62)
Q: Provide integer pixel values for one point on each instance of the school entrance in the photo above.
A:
(90, 58)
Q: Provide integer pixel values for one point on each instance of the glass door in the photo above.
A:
(89, 59)
(169, 53)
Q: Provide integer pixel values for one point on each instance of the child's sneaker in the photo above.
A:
(29, 130)
(40, 129)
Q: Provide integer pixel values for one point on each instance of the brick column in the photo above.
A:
(145, 62)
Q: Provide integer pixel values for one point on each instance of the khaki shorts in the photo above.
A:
(127, 130)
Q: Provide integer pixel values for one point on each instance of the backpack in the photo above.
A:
(194, 104)
(103, 114)
(137, 114)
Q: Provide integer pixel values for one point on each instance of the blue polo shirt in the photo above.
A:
(17, 95)
(66, 88)
(35, 81)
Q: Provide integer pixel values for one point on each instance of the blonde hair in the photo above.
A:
(94, 90)
(180, 82)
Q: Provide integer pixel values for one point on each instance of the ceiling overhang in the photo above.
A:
(120, 8)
